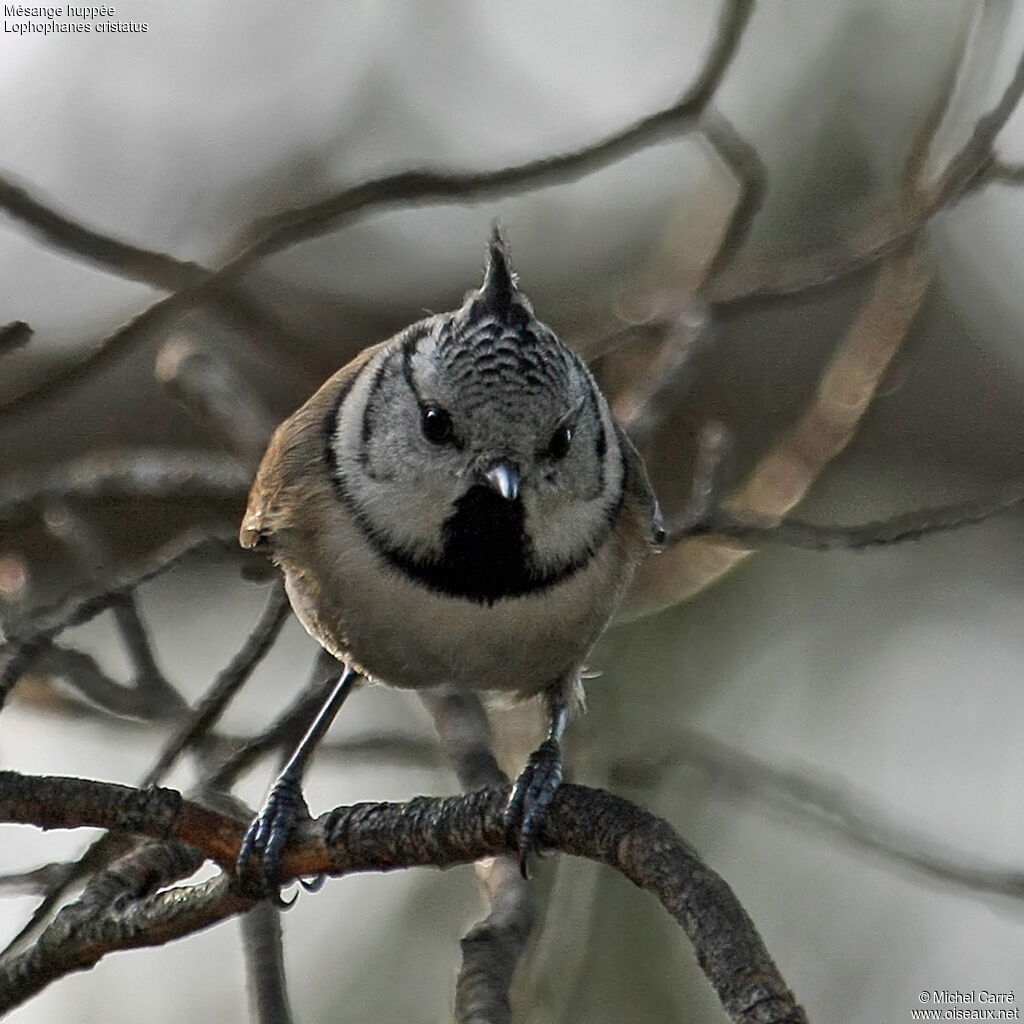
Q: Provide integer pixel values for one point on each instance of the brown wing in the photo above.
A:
(639, 493)
(295, 450)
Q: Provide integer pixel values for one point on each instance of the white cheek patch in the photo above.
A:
(566, 531)
(389, 503)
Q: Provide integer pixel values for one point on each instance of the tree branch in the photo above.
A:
(426, 831)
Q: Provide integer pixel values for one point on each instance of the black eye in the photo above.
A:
(558, 446)
(437, 425)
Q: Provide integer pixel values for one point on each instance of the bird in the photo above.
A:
(456, 507)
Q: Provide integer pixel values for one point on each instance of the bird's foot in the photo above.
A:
(259, 860)
(531, 797)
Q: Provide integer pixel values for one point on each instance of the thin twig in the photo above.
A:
(287, 728)
(264, 965)
(969, 170)
(828, 804)
(909, 526)
(27, 641)
(93, 557)
(752, 181)
(418, 187)
(228, 682)
(1006, 174)
(135, 263)
(216, 394)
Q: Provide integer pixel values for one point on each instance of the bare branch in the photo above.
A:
(14, 335)
(752, 179)
(92, 555)
(228, 682)
(426, 831)
(783, 475)
(1006, 174)
(410, 188)
(829, 805)
(62, 232)
(420, 187)
(287, 728)
(909, 526)
(264, 965)
(27, 641)
(131, 473)
(491, 950)
(217, 396)
(969, 170)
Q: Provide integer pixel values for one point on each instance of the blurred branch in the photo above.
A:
(26, 642)
(134, 262)
(264, 965)
(426, 831)
(784, 474)
(828, 805)
(410, 188)
(752, 181)
(492, 948)
(228, 682)
(909, 526)
(213, 392)
(130, 473)
(969, 170)
(1006, 174)
(121, 258)
(14, 335)
(287, 728)
(90, 552)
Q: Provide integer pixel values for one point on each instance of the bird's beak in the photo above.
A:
(504, 478)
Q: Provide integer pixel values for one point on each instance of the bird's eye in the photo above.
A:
(437, 425)
(558, 447)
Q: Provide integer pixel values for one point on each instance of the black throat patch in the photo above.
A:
(484, 554)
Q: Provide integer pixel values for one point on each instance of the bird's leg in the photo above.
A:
(285, 807)
(535, 788)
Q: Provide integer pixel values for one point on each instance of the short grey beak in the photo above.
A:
(504, 478)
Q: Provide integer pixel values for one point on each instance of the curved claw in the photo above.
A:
(531, 797)
(266, 840)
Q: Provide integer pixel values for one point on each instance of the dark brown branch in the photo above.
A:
(437, 832)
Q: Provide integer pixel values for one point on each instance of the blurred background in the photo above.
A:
(891, 676)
